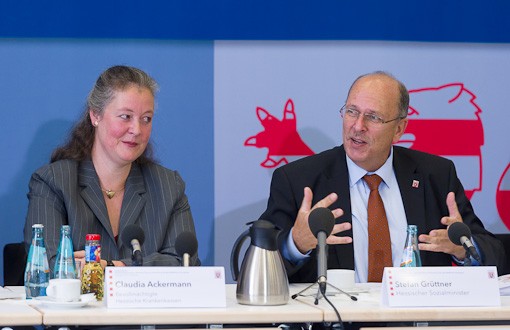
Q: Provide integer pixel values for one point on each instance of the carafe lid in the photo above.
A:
(264, 234)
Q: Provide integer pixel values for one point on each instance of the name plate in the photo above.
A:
(440, 286)
(164, 287)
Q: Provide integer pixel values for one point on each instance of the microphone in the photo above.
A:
(134, 236)
(321, 222)
(460, 234)
(186, 245)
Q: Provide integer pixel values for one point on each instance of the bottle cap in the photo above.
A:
(38, 225)
(93, 237)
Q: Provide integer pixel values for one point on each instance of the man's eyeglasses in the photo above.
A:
(350, 113)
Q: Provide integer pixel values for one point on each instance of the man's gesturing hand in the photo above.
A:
(301, 234)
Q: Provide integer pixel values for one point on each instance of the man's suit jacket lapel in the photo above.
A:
(411, 184)
(337, 179)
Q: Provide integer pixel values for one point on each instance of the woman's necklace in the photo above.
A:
(110, 193)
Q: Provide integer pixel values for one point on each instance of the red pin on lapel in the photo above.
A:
(416, 184)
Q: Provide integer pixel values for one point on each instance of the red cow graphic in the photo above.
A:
(280, 137)
(503, 197)
(445, 121)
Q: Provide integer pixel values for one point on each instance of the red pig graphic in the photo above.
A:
(280, 137)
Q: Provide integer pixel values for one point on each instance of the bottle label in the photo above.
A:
(37, 272)
(92, 280)
(407, 257)
(92, 253)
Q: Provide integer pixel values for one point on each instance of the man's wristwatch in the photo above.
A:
(109, 263)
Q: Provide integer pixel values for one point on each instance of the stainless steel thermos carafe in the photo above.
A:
(262, 279)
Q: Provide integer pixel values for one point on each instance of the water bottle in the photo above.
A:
(37, 271)
(65, 266)
(411, 253)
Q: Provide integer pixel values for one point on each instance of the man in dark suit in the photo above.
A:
(417, 188)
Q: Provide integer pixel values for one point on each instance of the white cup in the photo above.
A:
(64, 289)
(341, 278)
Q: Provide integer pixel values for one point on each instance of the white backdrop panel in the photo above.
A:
(316, 76)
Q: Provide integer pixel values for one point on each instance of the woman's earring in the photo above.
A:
(96, 123)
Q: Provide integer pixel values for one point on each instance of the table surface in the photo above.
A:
(299, 310)
(18, 312)
(98, 314)
(368, 309)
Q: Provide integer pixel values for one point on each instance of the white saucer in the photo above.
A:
(334, 292)
(49, 302)
(353, 291)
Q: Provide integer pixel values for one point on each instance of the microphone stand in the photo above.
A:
(467, 260)
(321, 290)
(137, 258)
(185, 260)
(318, 295)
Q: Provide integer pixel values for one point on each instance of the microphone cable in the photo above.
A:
(336, 310)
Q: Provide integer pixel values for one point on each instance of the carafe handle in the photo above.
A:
(234, 255)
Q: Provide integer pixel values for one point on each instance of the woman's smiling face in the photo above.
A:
(124, 128)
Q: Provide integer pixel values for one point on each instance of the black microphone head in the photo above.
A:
(457, 230)
(186, 242)
(321, 219)
(132, 232)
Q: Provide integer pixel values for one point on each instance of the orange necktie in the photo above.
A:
(379, 242)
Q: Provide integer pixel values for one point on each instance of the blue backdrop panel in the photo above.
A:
(43, 88)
